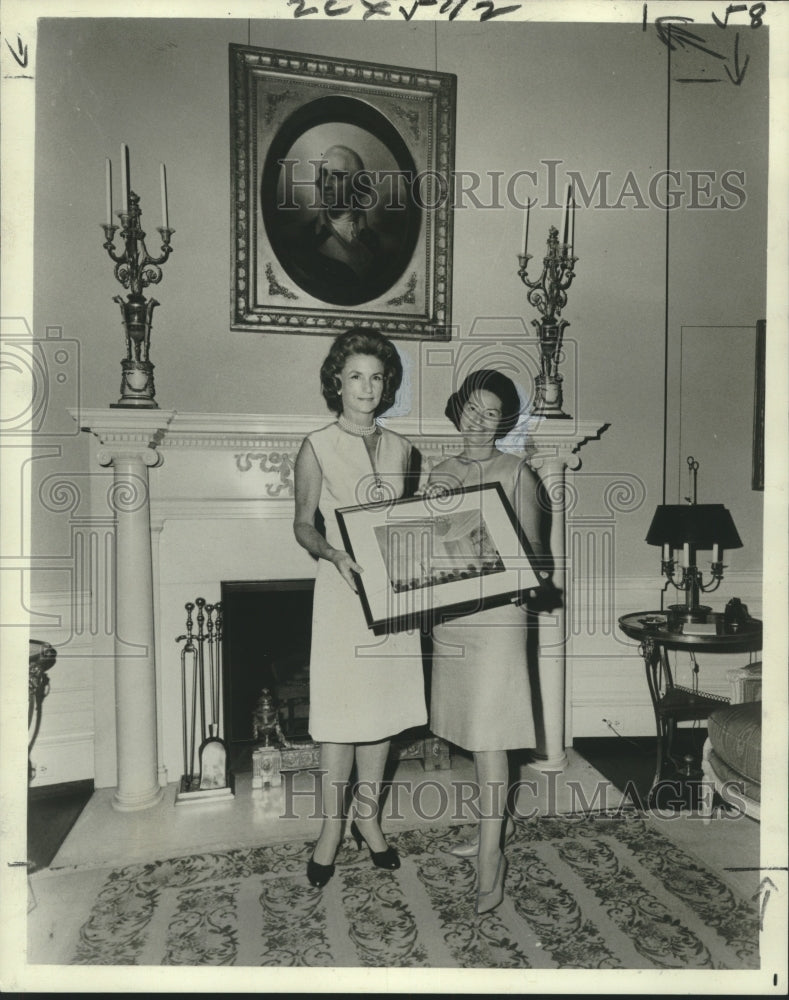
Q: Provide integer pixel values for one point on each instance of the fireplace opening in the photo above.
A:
(267, 626)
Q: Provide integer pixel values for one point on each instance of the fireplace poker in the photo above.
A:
(200, 602)
(210, 629)
(189, 647)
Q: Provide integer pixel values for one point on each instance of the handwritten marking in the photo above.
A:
(21, 55)
(445, 7)
(755, 12)
(765, 887)
(683, 37)
(382, 8)
(738, 73)
(671, 32)
(300, 10)
(373, 8)
(415, 8)
(491, 12)
(733, 8)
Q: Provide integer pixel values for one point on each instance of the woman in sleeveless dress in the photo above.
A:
(481, 698)
(363, 688)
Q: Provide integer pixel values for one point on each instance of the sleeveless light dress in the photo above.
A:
(481, 696)
(363, 687)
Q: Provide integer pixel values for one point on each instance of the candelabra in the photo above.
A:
(690, 527)
(135, 269)
(549, 295)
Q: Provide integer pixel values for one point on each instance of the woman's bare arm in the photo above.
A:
(535, 521)
(308, 478)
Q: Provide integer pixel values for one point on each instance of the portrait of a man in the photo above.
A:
(338, 206)
(337, 254)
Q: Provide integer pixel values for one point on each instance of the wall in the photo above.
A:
(593, 97)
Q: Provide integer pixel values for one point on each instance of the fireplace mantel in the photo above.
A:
(212, 469)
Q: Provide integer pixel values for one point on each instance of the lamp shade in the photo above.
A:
(700, 524)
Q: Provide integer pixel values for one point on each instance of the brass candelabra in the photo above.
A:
(548, 294)
(135, 269)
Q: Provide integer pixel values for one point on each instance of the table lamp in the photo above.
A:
(687, 528)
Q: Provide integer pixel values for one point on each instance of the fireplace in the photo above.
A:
(266, 644)
(196, 498)
(267, 626)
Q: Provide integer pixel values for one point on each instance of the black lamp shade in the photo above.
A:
(700, 524)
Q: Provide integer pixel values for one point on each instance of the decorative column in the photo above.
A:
(128, 442)
(555, 450)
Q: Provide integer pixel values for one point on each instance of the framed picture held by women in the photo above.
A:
(442, 555)
(341, 195)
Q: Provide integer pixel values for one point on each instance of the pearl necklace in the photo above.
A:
(360, 430)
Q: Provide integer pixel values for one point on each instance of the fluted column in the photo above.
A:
(555, 452)
(128, 444)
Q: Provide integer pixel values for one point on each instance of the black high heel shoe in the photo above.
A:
(319, 875)
(388, 859)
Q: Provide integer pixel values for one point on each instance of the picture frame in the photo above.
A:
(341, 195)
(443, 555)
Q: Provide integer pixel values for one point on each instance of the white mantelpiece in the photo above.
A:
(202, 498)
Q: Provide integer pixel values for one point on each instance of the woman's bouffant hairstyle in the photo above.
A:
(491, 381)
(359, 340)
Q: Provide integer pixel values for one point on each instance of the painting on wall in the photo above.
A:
(341, 195)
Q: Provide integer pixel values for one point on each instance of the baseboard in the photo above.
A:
(63, 759)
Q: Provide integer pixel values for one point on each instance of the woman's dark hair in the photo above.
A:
(359, 340)
(491, 381)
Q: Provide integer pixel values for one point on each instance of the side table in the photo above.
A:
(41, 659)
(671, 702)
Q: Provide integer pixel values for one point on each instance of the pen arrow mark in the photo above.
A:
(739, 73)
(670, 30)
(21, 55)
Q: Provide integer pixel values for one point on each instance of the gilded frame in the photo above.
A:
(291, 270)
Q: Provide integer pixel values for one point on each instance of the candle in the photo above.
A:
(566, 218)
(526, 228)
(108, 184)
(666, 552)
(716, 553)
(572, 226)
(163, 175)
(686, 554)
(124, 177)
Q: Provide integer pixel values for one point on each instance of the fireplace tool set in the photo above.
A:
(206, 773)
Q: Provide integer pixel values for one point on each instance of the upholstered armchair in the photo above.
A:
(732, 754)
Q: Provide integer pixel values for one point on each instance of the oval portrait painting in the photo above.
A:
(336, 201)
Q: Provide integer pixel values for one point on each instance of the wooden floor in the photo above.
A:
(623, 759)
(52, 810)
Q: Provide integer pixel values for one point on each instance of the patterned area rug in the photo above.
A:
(582, 892)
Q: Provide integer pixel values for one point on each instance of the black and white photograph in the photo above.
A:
(393, 497)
